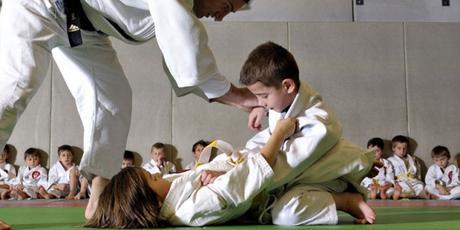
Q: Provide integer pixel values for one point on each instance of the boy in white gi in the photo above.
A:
(442, 180)
(407, 171)
(63, 176)
(7, 170)
(380, 186)
(158, 162)
(315, 164)
(33, 32)
(196, 150)
(30, 178)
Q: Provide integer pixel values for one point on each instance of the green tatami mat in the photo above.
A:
(393, 218)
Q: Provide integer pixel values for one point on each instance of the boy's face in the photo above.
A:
(198, 150)
(217, 9)
(66, 157)
(377, 151)
(273, 98)
(158, 155)
(127, 163)
(441, 161)
(400, 149)
(3, 157)
(32, 161)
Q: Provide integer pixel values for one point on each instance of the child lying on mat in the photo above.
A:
(135, 199)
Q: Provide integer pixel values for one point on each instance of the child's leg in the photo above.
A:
(83, 189)
(21, 195)
(98, 185)
(373, 192)
(72, 184)
(6, 194)
(42, 192)
(397, 193)
(304, 205)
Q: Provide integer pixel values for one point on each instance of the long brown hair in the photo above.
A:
(126, 202)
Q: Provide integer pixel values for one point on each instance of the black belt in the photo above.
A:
(76, 20)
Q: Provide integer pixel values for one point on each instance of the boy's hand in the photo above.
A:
(255, 118)
(208, 176)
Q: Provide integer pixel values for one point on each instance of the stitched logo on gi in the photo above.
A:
(59, 5)
(35, 175)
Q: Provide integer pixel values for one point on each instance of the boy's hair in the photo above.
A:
(376, 141)
(457, 156)
(440, 151)
(399, 139)
(64, 148)
(7, 149)
(157, 145)
(32, 152)
(270, 64)
(127, 202)
(128, 155)
(200, 142)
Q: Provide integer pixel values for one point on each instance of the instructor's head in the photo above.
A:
(217, 9)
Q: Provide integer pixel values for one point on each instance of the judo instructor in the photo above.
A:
(75, 34)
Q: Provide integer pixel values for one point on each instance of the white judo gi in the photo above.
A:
(313, 162)
(167, 167)
(450, 176)
(59, 175)
(7, 172)
(32, 179)
(228, 197)
(407, 176)
(32, 32)
(385, 175)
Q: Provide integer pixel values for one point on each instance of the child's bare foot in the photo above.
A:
(98, 185)
(397, 192)
(4, 226)
(354, 204)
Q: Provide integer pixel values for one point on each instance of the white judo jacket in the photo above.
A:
(228, 197)
(167, 167)
(450, 176)
(59, 175)
(32, 179)
(7, 172)
(385, 175)
(315, 153)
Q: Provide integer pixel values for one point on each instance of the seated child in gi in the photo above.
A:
(159, 163)
(407, 171)
(7, 170)
(30, 178)
(442, 178)
(63, 176)
(196, 150)
(382, 184)
(128, 159)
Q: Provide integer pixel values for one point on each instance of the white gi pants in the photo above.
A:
(30, 35)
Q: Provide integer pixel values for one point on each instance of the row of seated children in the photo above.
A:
(400, 174)
(63, 179)
(33, 181)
